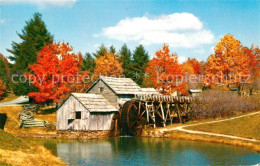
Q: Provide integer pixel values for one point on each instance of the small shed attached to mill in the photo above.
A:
(81, 111)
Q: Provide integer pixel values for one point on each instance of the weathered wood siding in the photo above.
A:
(88, 121)
(107, 93)
(124, 98)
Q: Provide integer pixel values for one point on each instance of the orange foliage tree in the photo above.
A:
(253, 55)
(229, 64)
(108, 65)
(165, 73)
(4, 69)
(2, 89)
(192, 69)
(56, 73)
(192, 66)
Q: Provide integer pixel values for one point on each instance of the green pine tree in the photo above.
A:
(34, 35)
(140, 62)
(112, 49)
(126, 60)
(88, 63)
(101, 51)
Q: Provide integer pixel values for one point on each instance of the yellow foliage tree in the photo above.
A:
(229, 64)
(108, 65)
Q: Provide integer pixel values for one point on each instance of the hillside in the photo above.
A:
(16, 151)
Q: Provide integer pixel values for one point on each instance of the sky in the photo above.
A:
(190, 27)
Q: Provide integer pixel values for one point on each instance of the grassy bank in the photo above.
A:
(247, 127)
(212, 139)
(17, 151)
(13, 122)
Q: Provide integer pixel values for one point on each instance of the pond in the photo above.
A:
(149, 151)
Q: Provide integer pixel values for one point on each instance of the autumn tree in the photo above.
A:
(4, 70)
(192, 66)
(108, 65)
(140, 62)
(56, 73)
(33, 37)
(192, 69)
(165, 73)
(229, 64)
(126, 60)
(2, 89)
(253, 55)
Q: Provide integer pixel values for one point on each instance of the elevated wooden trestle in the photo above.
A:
(153, 110)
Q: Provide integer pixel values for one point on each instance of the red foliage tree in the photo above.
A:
(192, 66)
(56, 73)
(192, 69)
(253, 55)
(165, 73)
(2, 89)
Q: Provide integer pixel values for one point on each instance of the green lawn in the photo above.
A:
(248, 127)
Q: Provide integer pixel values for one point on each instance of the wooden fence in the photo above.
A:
(33, 123)
(27, 117)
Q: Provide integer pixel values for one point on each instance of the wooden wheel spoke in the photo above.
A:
(139, 108)
(134, 116)
(132, 125)
(142, 114)
(135, 106)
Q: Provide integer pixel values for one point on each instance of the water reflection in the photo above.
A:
(148, 151)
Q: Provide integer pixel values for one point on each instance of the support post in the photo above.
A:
(179, 113)
(163, 117)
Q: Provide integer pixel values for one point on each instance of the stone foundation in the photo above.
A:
(154, 134)
(85, 135)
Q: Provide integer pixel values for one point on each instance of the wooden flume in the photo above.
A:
(153, 110)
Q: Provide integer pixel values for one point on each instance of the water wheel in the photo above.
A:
(133, 117)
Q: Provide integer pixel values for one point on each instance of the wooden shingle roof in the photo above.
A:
(149, 91)
(122, 85)
(94, 102)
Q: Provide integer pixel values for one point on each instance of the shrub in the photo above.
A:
(217, 103)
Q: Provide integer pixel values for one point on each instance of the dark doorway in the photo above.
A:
(3, 118)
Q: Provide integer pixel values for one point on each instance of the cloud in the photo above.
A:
(199, 51)
(42, 2)
(177, 29)
(2, 21)
(182, 59)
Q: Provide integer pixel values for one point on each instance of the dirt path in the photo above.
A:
(16, 102)
(181, 128)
